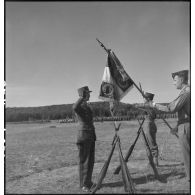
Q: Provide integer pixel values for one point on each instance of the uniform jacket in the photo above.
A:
(181, 105)
(149, 120)
(150, 116)
(86, 129)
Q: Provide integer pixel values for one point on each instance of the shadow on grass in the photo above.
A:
(114, 184)
(145, 191)
(170, 165)
(140, 191)
(147, 178)
(163, 177)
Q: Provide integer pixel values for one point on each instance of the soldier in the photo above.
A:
(85, 139)
(181, 105)
(150, 127)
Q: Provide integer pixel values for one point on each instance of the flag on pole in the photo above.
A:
(116, 83)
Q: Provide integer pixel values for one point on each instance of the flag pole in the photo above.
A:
(102, 45)
(138, 88)
(108, 52)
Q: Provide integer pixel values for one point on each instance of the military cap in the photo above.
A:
(83, 89)
(150, 96)
(182, 73)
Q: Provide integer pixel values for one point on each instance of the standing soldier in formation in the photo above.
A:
(150, 127)
(85, 139)
(181, 105)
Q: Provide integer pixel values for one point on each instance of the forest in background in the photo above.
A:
(64, 111)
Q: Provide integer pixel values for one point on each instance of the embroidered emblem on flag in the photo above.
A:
(116, 83)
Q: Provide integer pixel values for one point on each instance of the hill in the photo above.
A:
(63, 111)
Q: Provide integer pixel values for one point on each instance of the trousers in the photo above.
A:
(184, 140)
(86, 162)
(151, 137)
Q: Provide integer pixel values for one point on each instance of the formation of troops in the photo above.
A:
(86, 136)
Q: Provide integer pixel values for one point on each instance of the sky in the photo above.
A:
(51, 48)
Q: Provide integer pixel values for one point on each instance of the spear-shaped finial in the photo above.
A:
(102, 45)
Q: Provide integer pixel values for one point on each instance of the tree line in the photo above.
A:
(64, 111)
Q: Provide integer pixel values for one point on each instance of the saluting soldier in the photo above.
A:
(85, 139)
(181, 105)
(150, 127)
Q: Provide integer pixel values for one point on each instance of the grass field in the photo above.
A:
(42, 159)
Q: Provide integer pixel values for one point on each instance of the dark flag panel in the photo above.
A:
(116, 83)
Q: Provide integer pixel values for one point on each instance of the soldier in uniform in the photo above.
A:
(150, 127)
(181, 105)
(85, 139)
